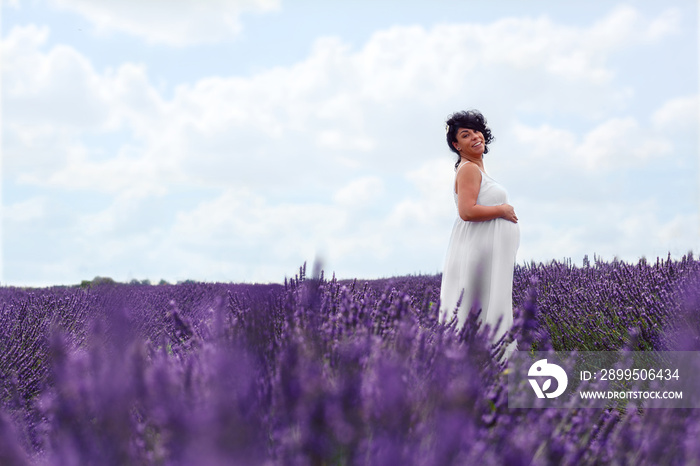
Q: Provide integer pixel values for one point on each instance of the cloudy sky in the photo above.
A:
(232, 140)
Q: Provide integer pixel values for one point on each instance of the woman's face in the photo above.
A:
(470, 142)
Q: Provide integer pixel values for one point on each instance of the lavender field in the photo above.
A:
(320, 371)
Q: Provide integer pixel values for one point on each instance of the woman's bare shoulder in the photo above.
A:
(468, 170)
(468, 177)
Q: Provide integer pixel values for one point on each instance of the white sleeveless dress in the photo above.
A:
(479, 263)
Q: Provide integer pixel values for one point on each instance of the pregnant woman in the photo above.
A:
(485, 236)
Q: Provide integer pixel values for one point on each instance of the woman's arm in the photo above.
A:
(468, 184)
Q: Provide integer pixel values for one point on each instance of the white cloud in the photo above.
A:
(619, 142)
(627, 230)
(432, 204)
(25, 211)
(173, 22)
(679, 114)
(241, 219)
(124, 175)
(614, 143)
(666, 23)
(59, 88)
(337, 100)
(680, 232)
(432, 178)
(360, 191)
(545, 141)
(54, 99)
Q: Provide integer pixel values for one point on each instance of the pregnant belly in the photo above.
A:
(507, 235)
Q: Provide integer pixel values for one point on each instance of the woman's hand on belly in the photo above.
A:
(509, 213)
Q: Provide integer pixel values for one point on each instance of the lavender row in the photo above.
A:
(320, 371)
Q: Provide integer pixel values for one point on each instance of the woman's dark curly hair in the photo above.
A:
(472, 119)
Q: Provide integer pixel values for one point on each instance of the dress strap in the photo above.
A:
(466, 162)
(461, 165)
